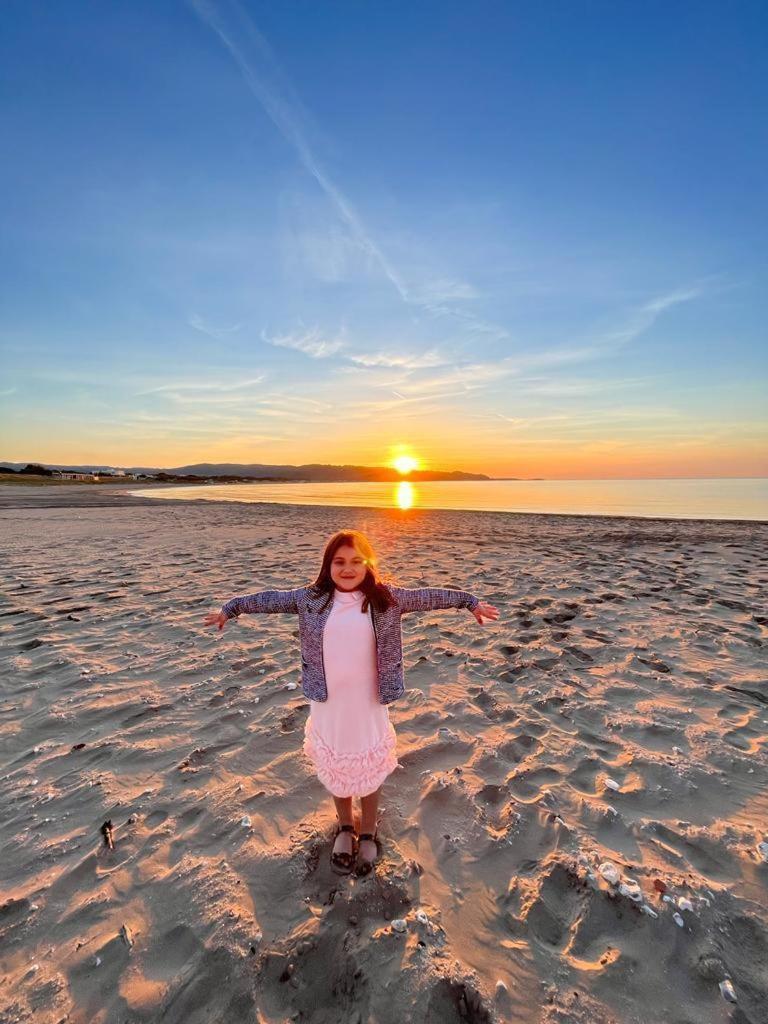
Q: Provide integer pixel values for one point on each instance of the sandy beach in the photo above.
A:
(572, 837)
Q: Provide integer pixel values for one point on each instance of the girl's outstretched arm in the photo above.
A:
(427, 599)
(263, 601)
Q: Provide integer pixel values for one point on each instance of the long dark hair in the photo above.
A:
(375, 590)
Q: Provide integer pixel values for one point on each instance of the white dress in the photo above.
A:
(349, 737)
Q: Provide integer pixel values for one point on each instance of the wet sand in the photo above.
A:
(617, 714)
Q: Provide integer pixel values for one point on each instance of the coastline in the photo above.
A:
(121, 496)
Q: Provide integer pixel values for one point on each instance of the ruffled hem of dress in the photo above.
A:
(355, 774)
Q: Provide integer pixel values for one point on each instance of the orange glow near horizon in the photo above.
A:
(656, 452)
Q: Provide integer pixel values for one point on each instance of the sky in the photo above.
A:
(521, 239)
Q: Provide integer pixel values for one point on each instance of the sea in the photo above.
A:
(726, 498)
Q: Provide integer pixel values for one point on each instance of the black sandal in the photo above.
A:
(341, 863)
(364, 867)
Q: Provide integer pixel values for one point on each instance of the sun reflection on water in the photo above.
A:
(405, 494)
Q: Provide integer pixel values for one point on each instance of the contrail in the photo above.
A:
(284, 112)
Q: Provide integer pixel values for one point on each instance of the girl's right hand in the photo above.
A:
(216, 619)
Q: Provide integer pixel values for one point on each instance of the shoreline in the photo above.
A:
(122, 496)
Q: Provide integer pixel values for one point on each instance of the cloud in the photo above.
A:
(469, 321)
(629, 417)
(238, 440)
(258, 66)
(311, 343)
(329, 253)
(414, 361)
(663, 302)
(574, 387)
(261, 72)
(445, 290)
(402, 406)
(458, 380)
(216, 399)
(293, 400)
(642, 318)
(217, 333)
(208, 385)
(516, 421)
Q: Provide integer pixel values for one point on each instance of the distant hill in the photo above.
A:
(314, 472)
(321, 472)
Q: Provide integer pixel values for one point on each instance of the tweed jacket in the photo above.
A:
(314, 610)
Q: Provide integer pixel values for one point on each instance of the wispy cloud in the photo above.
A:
(574, 387)
(406, 361)
(403, 406)
(217, 399)
(658, 305)
(415, 385)
(259, 68)
(219, 387)
(217, 333)
(262, 74)
(445, 290)
(487, 330)
(642, 318)
(329, 253)
(312, 343)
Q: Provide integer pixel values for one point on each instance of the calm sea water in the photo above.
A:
(675, 499)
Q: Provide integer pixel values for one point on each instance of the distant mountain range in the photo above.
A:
(315, 472)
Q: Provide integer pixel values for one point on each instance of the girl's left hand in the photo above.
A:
(485, 611)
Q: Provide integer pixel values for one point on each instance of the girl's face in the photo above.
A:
(348, 568)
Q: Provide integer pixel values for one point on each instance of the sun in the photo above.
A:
(405, 464)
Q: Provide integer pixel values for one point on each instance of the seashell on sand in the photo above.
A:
(609, 872)
(727, 991)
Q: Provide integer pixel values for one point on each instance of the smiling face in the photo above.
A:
(348, 568)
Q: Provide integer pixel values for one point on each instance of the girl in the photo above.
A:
(351, 668)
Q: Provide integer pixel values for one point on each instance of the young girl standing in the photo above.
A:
(351, 669)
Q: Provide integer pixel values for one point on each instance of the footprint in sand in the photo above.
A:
(545, 663)
(30, 645)
(707, 855)
(552, 913)
(456, 1002)
(155, 818)
(582, 778)
(508, 650)
(528, 784)
(746, 738)
(594, 635)
(492, 795)
(518, 748)
(560, 618)
(581, 655)
(655, 664)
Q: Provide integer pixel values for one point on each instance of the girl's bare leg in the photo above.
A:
(343, 842)
(369, 807)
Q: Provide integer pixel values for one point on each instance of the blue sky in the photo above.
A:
(522, 239)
